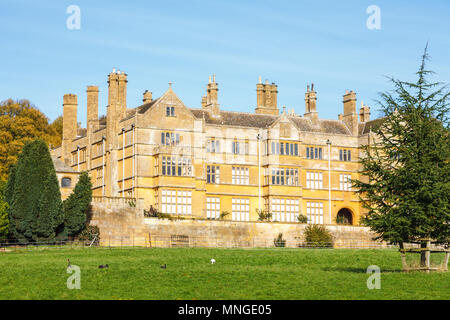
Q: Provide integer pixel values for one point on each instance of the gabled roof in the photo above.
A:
(145, 107)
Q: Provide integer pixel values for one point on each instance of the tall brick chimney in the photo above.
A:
(311, 104)
(147, 97)
(70, 125)
(350, 117)
(266, 98)
(203, 102)
(364, 113)
(114, 113)
(212, 91)
(122, 95)
(212, 102)
(92, 108)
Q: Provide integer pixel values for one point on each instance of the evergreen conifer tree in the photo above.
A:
(29, 183)
(406, 188)
(50, 210)
(76, 206)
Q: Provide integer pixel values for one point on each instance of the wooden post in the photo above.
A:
(423, 258)
(447, 254)
(427, 255)
(403, 254)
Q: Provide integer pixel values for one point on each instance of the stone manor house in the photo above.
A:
(206, 161)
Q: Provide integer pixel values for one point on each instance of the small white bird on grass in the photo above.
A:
(213, 261)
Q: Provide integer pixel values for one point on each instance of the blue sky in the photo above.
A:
(291, 43)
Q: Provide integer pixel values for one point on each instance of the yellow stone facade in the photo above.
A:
(205, 161)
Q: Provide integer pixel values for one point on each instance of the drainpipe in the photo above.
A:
(133, 169)
(103, 165)
(258, 138)
(329, 178)
(78, 158)
(123, 162)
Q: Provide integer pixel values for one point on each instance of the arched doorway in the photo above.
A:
(344, 216)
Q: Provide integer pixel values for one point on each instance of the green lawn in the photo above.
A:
(237, 274)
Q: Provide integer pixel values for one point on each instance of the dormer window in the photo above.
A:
(170, 111)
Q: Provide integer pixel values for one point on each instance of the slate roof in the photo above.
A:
(371, 125)
(324, 126)
(60, 166)
(145, 107)
(239, 119)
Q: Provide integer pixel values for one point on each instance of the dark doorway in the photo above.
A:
(344, 216)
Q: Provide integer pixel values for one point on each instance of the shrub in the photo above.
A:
(89, 234)
(153, 213)
(279, 241)
(317, 236)
(132, 203)
(263, 215)
(224, 214)
(302, 218)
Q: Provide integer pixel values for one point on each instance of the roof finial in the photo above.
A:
(214, 78)
(170, 84)
(209, 79)
(312, 87)
(307, 88)
(260, 81)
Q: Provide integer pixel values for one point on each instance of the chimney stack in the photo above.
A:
(203, 102)
(266, 98)
(70, 124)
(210, 102)
(350, 117)
(147, 97)
(310, 104)
(92, 107)
(364, 113)
(212, 91)
(122, 98)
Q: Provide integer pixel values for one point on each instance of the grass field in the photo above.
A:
(237, 274)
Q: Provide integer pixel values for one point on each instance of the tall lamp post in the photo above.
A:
(329, 178)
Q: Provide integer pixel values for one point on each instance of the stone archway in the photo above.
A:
(344, 216)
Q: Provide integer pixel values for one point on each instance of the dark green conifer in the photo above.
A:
(77, 205)
(407, 168)
(32, 173)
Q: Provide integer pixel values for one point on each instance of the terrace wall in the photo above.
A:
(122, 223)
